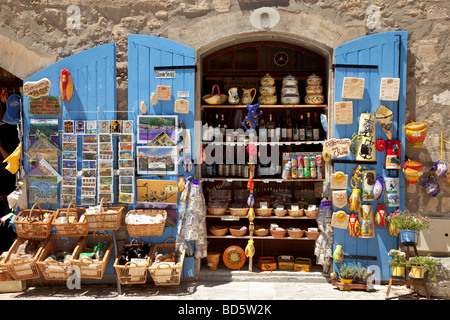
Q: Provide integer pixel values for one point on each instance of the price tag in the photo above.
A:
(263, 205)
(265, 181)
(229, 180)
(229, 218)
(294, 207)
(280, 181)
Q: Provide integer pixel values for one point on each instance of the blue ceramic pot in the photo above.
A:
(408, 236)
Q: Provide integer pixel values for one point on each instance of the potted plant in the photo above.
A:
(408, 224)
(398, 262)
(347, 273)
(362, 274)
(420, 265)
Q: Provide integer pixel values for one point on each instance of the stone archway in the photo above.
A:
(19, 60)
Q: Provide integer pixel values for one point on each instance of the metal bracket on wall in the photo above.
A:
(176, 67)
(353, 161)
(362, 66)
(360, 257)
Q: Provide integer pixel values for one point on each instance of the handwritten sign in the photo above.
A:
(338, 148)
(163, 92)
(165, 74)
(343, 112)
(389, 89)
(353, 88)
(36, 89)
(44, 106)
(182, 106)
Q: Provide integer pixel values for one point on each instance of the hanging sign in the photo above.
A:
(163, 92)
(181, 106)
(389, 89)
(368, 180)
(393, 150)
(36, 89)
(338, 148)
(366, 142)
(44, 106)
(165, 74)
(343, 112)
(339, 198)
(353, 88)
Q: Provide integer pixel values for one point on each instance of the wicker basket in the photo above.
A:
(23, 268)
(312, 214)
(92, 268)
(278, 233)
(217, 211)
(111, 219)
(296, 213)
(280, 212)
(30, 223)
(131, 272)
(296, 233)
(263, 212)
(261, 231)
(312, 234)
(143, 230)
(237, 232)
(4, 274)
(71, 229)
(218, 230)
(54, 270)
(238, 211)
(164, 273)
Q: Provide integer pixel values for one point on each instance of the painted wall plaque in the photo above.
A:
(182, 106)
(156, 191)
(366, 142)
(343, 112)
(338, 148)
(353, 88)
(36, 89)
(44, 106)
(163, 92)
(389, 89)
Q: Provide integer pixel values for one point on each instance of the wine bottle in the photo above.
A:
(271, 128)
(262, 131)
(295, 131)
(302, 130)
(283, 129)
(316, 127)
(289, 132)
(309, 128)
(278, 129)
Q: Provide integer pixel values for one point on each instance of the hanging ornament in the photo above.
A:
(250, 249)
(380, 215)
(250, 200)
(153, 99)
(378, 188)
(181, 183)
(143, 107)
(385, 118)
(13, 160)
(380, 144)
(4, 94)
(354, 228)
(338, 255)
(367, 224)
(354, 202)
(250, 184)
(251, 214)
(392, 230)
(66, 85)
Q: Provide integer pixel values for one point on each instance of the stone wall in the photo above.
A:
(49, 30)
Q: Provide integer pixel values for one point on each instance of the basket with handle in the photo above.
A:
(302, 264)
(134, 271)
(52, 269)
(34, 223)
(285, 262)
(109, 219)
(267, 264)
(70, 222)
(93, 267)
(24, 266)
(213, 98)
(166, 273)
(147, 229)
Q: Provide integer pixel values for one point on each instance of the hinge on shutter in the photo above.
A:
(176, 67)
(352, 161)
(357, 257)
(362, 66)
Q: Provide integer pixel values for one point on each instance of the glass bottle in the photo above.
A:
(302, 130)
(262, 131)
(309, 128)
(271, 128)
(316, 127)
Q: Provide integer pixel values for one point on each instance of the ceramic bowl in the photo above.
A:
(267, 80)
(289, 81)
(314, 99)
(267, 99)
(314, 80)
(267, 90)
(290, 99)
(314, 89)
(289, 90)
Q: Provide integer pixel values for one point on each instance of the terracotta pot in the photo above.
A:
(415, 133)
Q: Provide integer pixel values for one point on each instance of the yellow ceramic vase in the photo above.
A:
(398, 271)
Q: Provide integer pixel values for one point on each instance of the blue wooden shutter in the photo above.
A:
(94, 98)
(146, 56)
(385, 54)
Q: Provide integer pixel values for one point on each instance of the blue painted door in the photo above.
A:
(153, 62)
(93, 73)
(372, 57)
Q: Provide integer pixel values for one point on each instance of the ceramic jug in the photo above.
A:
(233, 96)
(247, 95)
(432, 187)
(440, 168)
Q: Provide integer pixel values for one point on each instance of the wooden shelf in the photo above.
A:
(279, 180)
(273, 106)
(229, 217)
(258, 238)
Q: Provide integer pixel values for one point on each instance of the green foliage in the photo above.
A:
(398, 258)
(407, 221)
(430, 264)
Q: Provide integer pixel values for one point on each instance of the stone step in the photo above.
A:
(224, 274)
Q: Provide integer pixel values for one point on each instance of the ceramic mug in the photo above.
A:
(432, 187)
(440, 168)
